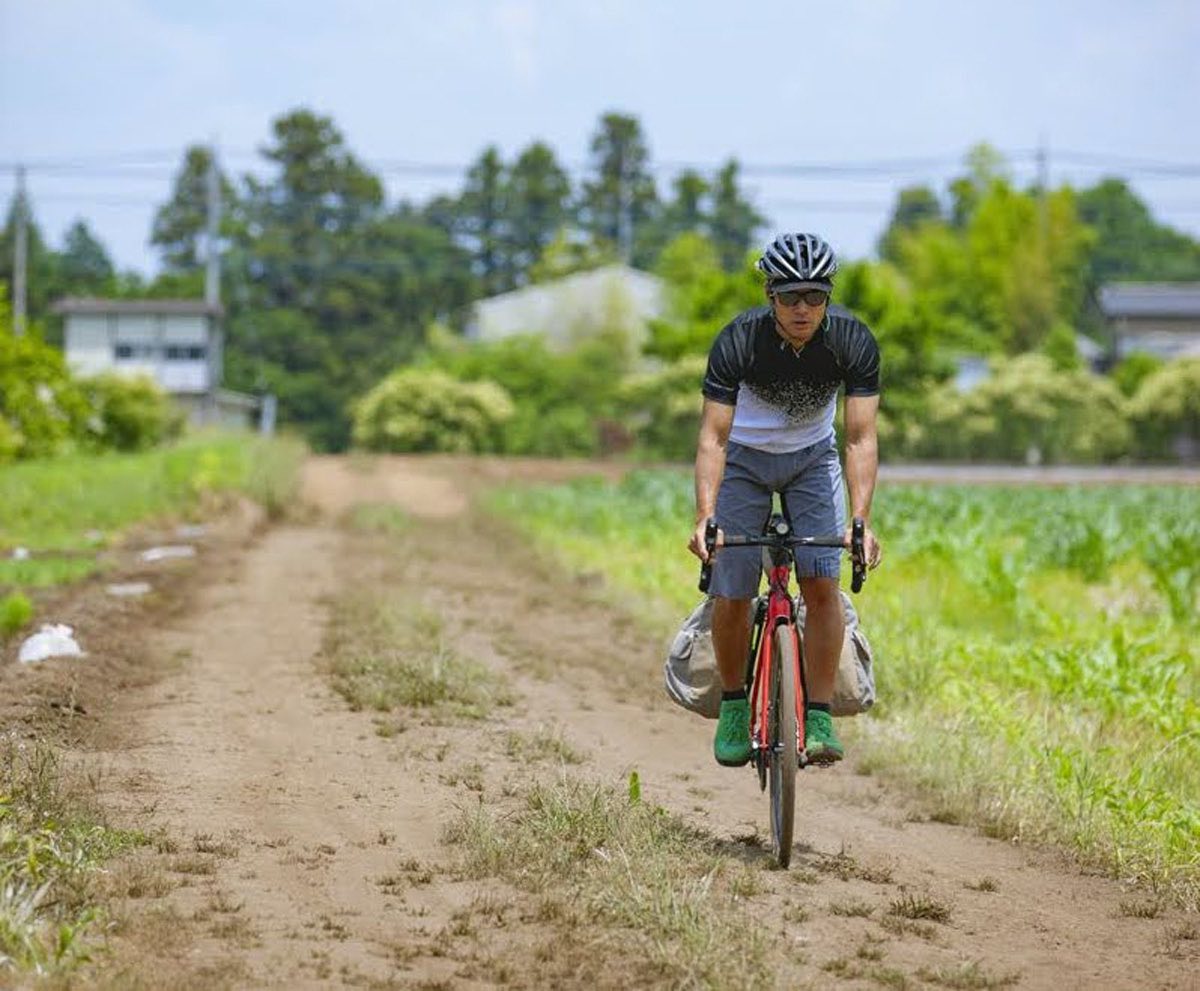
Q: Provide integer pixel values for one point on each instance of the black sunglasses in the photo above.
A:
(812, 297)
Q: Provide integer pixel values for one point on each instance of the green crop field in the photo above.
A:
(1036, 660)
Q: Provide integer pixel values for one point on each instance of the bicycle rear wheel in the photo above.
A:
(782, 742)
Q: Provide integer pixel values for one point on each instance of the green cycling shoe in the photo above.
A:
(732, 743)
(821, 741)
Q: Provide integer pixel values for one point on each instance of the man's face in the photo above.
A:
(798, 314)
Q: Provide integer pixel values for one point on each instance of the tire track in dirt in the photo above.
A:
(304, 850)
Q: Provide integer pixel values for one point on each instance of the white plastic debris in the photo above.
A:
(20, 554)
(168, 552)
(191, 531)
(52, 640)
(128, 590)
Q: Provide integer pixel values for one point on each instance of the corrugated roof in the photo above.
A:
(166, 307)
(1151, 299)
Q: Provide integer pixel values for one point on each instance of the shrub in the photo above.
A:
(1028, 410)
(427, 410)
(1166, 411)
(133, 413)
(664, 409)
(42, 409)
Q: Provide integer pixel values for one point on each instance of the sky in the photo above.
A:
(87, 89)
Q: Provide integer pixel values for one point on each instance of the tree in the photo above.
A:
(482, 218)
(1129, 244)
(42, 285)
(915, 206)
(733, 221)
(326, 288)
(85, 267)
(180, 223)
(539, 195)
(620, 200)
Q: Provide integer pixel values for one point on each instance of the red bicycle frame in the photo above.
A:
(779, 611)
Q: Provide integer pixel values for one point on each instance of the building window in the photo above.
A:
(185, 352)
(134, 352)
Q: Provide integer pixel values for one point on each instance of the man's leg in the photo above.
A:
(731, 640)
(824, 630)
(743, 505)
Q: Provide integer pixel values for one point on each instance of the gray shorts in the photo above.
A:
(809, 483)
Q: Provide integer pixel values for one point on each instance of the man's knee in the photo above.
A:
(820, 593)
(727, 611)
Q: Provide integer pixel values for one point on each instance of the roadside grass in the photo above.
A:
(64, 511)
(661, 891)
(53, 848)
(1037, 664)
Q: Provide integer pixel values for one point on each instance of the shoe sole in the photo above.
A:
(823, 758)
(733, 763)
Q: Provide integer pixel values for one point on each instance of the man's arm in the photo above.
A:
(862, 462)
(715, 424)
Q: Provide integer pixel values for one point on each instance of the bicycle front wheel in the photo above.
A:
(782, 742)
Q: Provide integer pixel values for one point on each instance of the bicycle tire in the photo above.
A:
(782, 758)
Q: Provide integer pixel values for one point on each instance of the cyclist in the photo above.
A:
(770, 393)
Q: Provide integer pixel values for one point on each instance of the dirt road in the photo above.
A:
(302, 844)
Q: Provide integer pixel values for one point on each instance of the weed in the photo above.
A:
(969, 976)
(15, 611)
(629, 866)
(1141, 909)
(985, 883)
(544, 744)
(900, 926)
(384, 656)
(851, 908)
(52, 846)
(919, 906)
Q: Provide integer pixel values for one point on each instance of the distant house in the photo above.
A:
(569, 308)
(178, 343)
(1160, 318)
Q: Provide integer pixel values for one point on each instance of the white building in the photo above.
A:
(569, 308)
(178, 343)
(1160, 318)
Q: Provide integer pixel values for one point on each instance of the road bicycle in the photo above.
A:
(775, 682)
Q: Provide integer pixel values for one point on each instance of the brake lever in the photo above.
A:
(710, 546)
(858, 554)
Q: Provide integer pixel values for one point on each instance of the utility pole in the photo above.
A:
(1043, 184)
(212, 279)
(20, 252)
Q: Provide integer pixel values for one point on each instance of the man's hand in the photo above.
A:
(871, 546)
(696, 544)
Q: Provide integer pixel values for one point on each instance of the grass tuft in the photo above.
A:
(384, 656)
(920, 906)
(649, 877)
(52, 848)
(969, 976)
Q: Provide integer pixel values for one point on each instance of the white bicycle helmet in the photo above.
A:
(798, 261)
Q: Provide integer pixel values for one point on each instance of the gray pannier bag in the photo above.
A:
(690, 672)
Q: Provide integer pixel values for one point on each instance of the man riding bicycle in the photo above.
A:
(770, 394)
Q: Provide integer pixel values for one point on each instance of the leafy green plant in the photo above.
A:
(15, 611)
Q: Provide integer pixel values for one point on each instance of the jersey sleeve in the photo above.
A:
(862, 364)
(724, 373)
